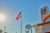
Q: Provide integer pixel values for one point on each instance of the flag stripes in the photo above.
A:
(18, 16)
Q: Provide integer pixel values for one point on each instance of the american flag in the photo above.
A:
(19, 16)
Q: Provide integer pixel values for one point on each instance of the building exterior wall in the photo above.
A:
(41, 28)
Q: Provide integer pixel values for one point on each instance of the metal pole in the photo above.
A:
(21, 26)
(31, 30)
(1, 26)
(17, 27)
(4, 28)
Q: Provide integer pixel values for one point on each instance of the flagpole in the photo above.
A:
(21, 25)
(19, 18)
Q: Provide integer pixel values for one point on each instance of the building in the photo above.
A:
(43, 27)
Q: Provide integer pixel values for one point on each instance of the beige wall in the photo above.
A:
(40, 28)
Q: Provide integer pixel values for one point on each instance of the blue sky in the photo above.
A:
(30, 9)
